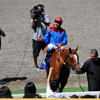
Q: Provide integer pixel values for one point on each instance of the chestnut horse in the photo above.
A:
(62, 61)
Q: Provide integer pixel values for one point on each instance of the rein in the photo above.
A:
(63, 61)
(80, 84)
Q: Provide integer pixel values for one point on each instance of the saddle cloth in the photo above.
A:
(43, 64)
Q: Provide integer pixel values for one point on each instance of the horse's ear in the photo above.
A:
(70, 50)
(76, 48)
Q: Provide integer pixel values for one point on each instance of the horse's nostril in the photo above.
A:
(77, 71)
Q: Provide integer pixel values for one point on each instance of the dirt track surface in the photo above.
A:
(81, 20)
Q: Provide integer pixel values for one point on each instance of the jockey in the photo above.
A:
(55, 37)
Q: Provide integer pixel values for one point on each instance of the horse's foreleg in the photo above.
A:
(47, 73)
(58, 89)
(62, 85)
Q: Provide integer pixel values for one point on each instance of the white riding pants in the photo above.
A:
(51, 46)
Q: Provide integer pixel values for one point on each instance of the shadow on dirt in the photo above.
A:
(7, 80)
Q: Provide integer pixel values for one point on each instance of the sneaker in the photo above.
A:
(37, 68)
(40, 68)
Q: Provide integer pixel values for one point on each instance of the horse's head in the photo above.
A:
(73, 59)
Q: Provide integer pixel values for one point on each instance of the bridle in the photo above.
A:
(72, 65)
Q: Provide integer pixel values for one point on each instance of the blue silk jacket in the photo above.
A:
(55, 37)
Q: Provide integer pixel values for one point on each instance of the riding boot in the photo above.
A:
(48, 55)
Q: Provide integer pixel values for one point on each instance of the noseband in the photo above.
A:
(72, 65)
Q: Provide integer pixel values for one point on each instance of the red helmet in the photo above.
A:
(58, 19)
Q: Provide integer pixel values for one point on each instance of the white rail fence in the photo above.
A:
(66, 93)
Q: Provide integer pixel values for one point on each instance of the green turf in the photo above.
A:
(75, 89)
(71, 89)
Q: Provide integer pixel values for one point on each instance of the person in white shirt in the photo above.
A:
(51, 91)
